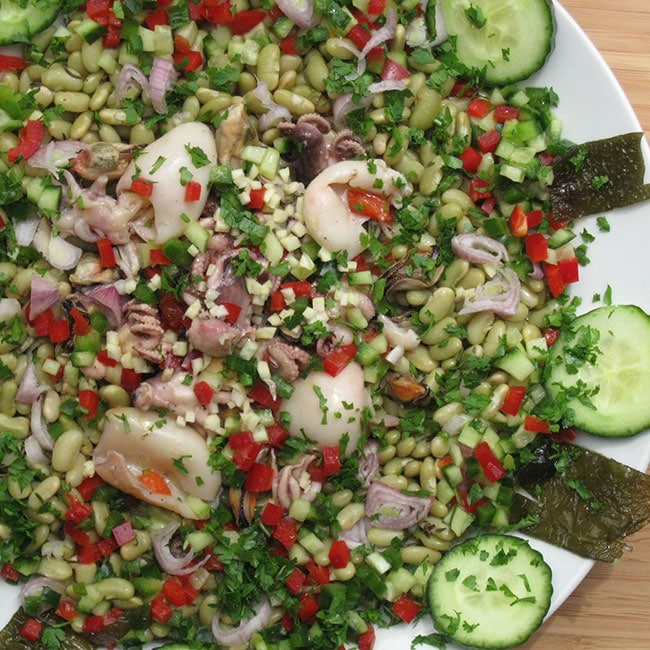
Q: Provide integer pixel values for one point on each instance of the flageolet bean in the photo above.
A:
(418, 554)
(17, 425)
(136, 547)
(55, 569)
(439, 305)
(112, 588)
(384, 536)
(296, 104)
(350, 515)
(346, 573)
(73, 102)
(66, 448)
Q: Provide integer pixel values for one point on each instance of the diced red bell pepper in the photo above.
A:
(479, 107)
(359, 36)
(536, 247)
(245, 448)
(503, 113)
(174, 591)
(157, 257)
(271, 514)
(256, 198)
(160, 610)
(10, 63)
(77, 535)
(278, 302)
(154, 482)
(29, 140)
(405, 608)
(192, 191)
(173, 312)
(376, 7)
(214, 11)
(261, 394)
(339, 358)
(286, 532)
(288, 45)
(366, 640)
(295, 581)
(369, 204)
(300, 288)
(31, 630)
(106, 546)
(80, 325)
(155, 18)
(88, 554)
(141, 186)
(556, 284)
(471, 159)
(58, 330)
(331, 460)
(488, 141)
(88, 486)
(93, 624)
(394, 71)
(513, 400)
(89, 400)
(339, 554)
(233, 312)
(308, 607)
(130, 379)
(277, 434)
(9, 572)
(204, 392)
(536, 425)
(551, 334)
(78, 511)
(518, 222)
(246, 20)
(492, 468)
(318, 573)
(569, 269)
(479, 189)
(66, 610)
(105, 360)
(534, 218)
(259, 478)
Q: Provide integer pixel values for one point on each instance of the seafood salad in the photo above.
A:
(279, 284)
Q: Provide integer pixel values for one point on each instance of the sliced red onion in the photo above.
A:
(34, 455)
(479, 249)
(162, 77)
(275, 113)
(43, 294)
(29, 388)
(130, 77)
(344, 104)
(176, 566)
(538, 272)
(38, 425)
(369, 461)
(386, 85)
(9, 307)
(300, 11)
(56, 154)
(390, 508)
(357, 535)
(35, 586)
(25, 229)
(243, 632)
(382, 35)
(108, 299)
(500, 295)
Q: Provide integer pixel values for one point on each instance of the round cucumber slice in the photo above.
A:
(509, 39)
(611, 369)
(490, 591)
(19, 21)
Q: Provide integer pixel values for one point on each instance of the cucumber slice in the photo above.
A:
(619, 371)
(21, 20)
(510, 39)
(490, 591)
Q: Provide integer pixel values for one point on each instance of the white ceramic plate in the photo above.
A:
(592, 106)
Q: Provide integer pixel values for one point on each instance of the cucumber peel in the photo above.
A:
(490, 591)
(507, 39)
(19, 21)
(599, 370)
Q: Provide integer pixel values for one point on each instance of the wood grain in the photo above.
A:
(608, 610)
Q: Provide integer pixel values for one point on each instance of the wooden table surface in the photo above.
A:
(609, 610)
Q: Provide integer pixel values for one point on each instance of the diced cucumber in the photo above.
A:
(560, 237)
(21, 20)
(50, 199)
(490, 591)
(90, 30)
(516, 362)
(600, 364)
(508, 39)
(459, 520)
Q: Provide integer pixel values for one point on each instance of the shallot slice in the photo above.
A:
(479, 249)
(43, 294)
(390, 508)
(499, 295)
(243, 632)
(177, 566)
